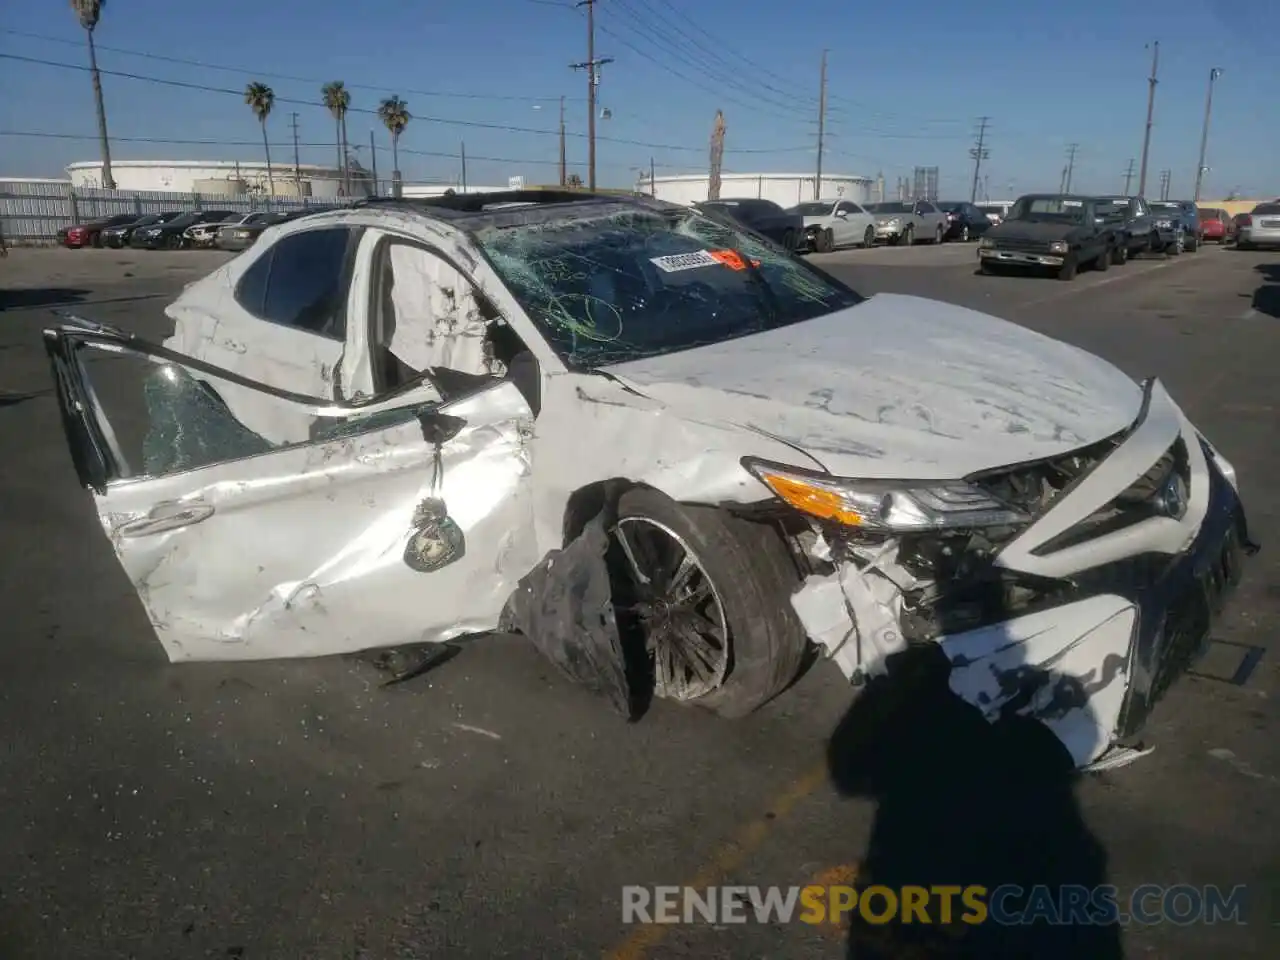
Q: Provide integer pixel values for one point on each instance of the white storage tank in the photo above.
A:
(784, 189)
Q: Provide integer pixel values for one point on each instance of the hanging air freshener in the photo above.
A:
(436, 539)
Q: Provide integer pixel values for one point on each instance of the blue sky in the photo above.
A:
(906, 85)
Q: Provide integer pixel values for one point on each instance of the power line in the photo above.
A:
(226, 68)
(446, 121)
(258, 143)
(667, 35)
(677, 72)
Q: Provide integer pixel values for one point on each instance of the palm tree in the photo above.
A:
(394, 113)
(261, 99)
(88, 12)
(338, 100)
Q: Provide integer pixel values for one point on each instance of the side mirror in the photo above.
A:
(842, 214)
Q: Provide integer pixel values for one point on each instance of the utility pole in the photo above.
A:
(462, 152)
(653, 184)
(297, 166)
(717, 157)
(592, 66)
(373, 160)
(1214, 74)
(979, 154)
(822, 123)
(1128, 177)
(564, 173)
(1166, 179)
(1071, 167)
(1151, 109)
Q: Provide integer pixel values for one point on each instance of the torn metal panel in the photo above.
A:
(592, 428)
(1068, 667)
(300, 551)
(435, 319)
(565, 607)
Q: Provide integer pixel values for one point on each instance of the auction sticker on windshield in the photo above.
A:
(685, 261)
(1073, 203)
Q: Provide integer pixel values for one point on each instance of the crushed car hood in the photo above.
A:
(899, 386)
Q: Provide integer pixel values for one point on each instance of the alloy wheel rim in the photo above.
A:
(676, 602)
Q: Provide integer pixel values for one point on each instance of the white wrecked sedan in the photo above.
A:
(672, 455)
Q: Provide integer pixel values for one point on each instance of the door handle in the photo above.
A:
(165, 516)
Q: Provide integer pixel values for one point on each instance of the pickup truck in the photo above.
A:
(1059, 231)
(1135, 220)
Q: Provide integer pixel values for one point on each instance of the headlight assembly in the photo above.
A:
(986, 243)
(1058, 247)
(1164, 224)
(885, 506)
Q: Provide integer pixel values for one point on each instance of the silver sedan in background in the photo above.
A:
(1261, 228)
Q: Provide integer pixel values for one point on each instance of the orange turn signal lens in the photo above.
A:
(813, 500)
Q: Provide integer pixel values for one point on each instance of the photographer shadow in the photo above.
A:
(964, 801)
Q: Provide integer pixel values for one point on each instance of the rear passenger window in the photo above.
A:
(301, 282)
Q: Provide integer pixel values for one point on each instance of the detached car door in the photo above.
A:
(401, 520)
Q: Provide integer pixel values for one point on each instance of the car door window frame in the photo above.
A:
(95, 450)
(267, 259)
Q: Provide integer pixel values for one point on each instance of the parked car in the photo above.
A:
(241, 236)
(995, 212)
(1215, 225)
(830, 224)
(1177, 226)
(764, 217)
(1237, 221)
(1260, 228)
(168, 234)
(734, 453)
(1059, 231)
(205, 233)
(899, 222)
(1132, 219)
(89, 233)
(965, 221)
(121, 235)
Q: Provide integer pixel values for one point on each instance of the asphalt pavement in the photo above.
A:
(490, 808)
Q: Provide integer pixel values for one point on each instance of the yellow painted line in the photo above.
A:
(726, 858)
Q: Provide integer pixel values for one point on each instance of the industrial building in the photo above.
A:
(220, 177)
(785, 189)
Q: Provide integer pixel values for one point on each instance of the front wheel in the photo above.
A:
(869, 238)
(1120, 254)
(826, 242)
(708, 595)
(908, 236)
(1103, 260)
(1068, 269)
(1176, 247)
(964, 234)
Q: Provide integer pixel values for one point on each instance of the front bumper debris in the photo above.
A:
(1118, 616)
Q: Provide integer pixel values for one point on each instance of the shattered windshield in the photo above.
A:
(619, 286)
(813, 209)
